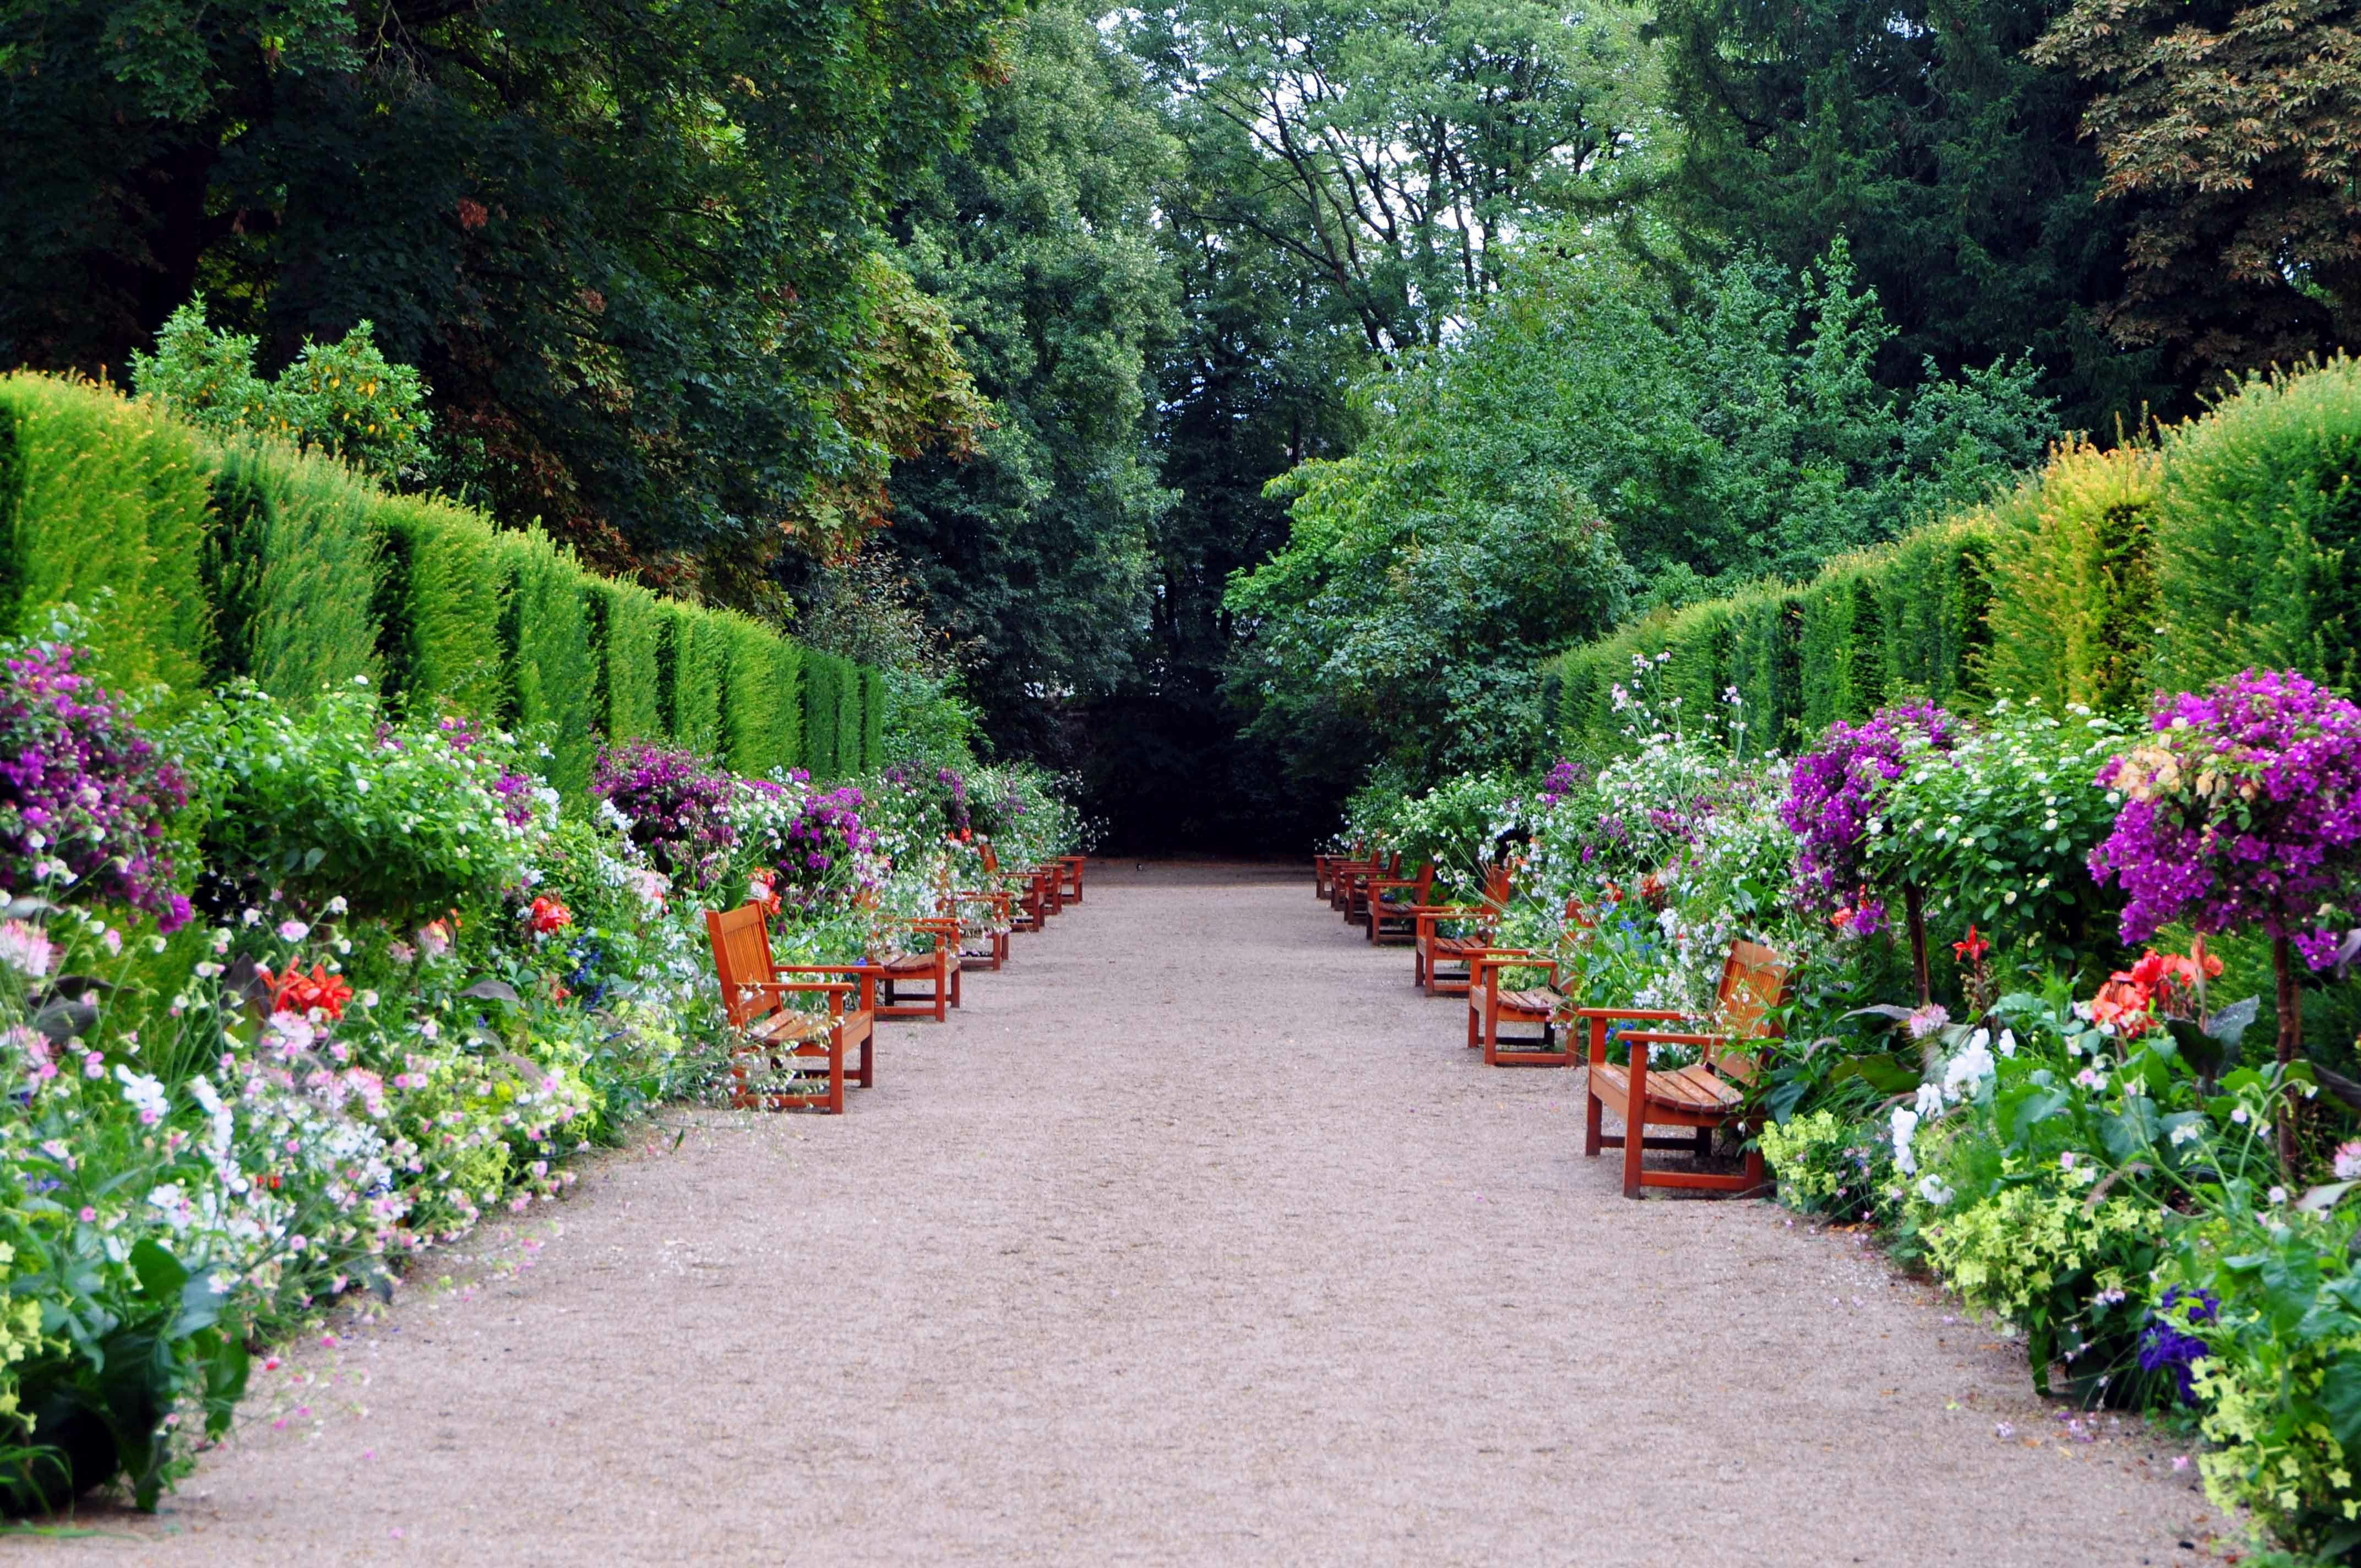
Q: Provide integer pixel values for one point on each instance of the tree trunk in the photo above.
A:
(1914, 910)
(2290, 1010)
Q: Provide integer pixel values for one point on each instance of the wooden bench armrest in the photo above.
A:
(1661, 1014)
(1659, 1037)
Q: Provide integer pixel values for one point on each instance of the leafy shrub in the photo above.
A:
(1998, 831)
(626, 635)
(546, 638)
(442, 599)
(345, 398)
(104, 506)
(410, 819)
(293, 567)
(675, 805)
(689, 663)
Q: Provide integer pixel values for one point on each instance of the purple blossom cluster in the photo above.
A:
(1566, 778)
(82, 794)
(1831, 793)
(825, 831)
(677, 806)
(2243, 808)
(2167, 1344)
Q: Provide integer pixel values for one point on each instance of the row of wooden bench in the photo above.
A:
(1466, 960)
(788, 1058)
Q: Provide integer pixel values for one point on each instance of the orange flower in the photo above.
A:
(549, 914)
(2123, 1005)
(1973, 948)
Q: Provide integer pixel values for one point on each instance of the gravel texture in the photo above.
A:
(1196, 1237)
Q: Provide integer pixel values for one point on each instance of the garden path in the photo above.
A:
(1196, 1237)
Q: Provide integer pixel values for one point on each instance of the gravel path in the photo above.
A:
(1196, 1237)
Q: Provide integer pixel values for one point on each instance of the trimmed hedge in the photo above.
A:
(1901, 622)
(2233, 541)
(105, 503)
(201, 560)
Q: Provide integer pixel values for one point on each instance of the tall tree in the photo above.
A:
(632, 250)
(1387, 146)
(1921, 131)
(1032, 552)
(2232, 134)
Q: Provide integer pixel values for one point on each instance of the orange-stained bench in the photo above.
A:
(786, 1059)
(1709, 1094)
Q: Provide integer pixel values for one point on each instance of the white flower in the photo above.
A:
(2348, 1161)
(25, 948)
(1931, 1100)
(2008, 1042)
(2279, 1194)
(144, 1093)
(336, 905)
(1905, 1128)
(1932, 1188)
(294, 931)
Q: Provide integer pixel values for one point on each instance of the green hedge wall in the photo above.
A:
(2230, 541)
(1902, 621)
(202, 560)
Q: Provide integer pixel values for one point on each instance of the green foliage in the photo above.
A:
(1031, 552)
(280, 809)
(292, 568)
(690, 651)
(638, 261)
(1921, 131)
(2073, 608)
(874, 701)
(626, 636)
(761, 708)
(552, 674)
(2258, 531)
(105, 507)
(444, 599)
(825, 678)
(1998, 833)
(344, 398)
(1902, 621)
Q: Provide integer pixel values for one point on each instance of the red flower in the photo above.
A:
(296, 992)
(1973, 949)
(549, 914)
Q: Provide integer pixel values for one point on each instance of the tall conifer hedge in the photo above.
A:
(202, 560)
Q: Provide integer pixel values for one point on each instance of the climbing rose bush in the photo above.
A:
(84, 799)
(2242, 808)
(1831, 795)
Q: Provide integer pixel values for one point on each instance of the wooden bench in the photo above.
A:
(1354, 885)
(1073, 868)
(1323, 868)
(983, 915)
(1031, 911)
(938, 968)
(1391, 903)
(1432, 947)
(780, 1050)
(1491, 1003)
(1710, 1093)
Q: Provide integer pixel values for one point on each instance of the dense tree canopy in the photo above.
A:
(630, 249)
(1583, 440)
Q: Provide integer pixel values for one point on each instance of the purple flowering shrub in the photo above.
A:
(677, 804)
(1831, 795)
(84, 799)
(2242, 808)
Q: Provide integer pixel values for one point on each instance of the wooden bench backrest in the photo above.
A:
(990, 857)
(1501, 884)
(741, 959)
(1753, 988)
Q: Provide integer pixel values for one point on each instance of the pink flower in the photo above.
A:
(89, 1215)
(2348, 1161)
